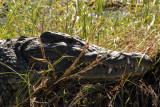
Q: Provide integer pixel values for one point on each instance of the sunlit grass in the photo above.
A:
(137, 29)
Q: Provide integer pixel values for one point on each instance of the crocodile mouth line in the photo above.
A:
(110, 70)
(103, 65)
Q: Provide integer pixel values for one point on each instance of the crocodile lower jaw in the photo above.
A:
(101, 71)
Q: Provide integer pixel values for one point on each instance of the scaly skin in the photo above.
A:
(16, 54)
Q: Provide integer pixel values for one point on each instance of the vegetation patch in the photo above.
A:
(122, 26)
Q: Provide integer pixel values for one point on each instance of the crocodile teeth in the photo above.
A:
(131, 65)
(109, 70)
(142, 68)
(128, 61)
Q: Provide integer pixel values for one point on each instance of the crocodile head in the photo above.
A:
(57, 44)
(16, 56)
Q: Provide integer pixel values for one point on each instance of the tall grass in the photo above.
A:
(137, 29)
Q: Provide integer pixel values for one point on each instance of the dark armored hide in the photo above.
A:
(16, 58)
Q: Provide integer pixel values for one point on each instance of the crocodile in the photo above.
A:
(18, 56)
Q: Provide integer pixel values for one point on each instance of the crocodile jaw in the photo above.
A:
(112, 63)
(115, 65)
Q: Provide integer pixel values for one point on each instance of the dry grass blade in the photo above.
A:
(47, 62)
(42, 48)
(78, 97)
(116, 88)
(63, 77)
(74, 63)
(44, 58)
